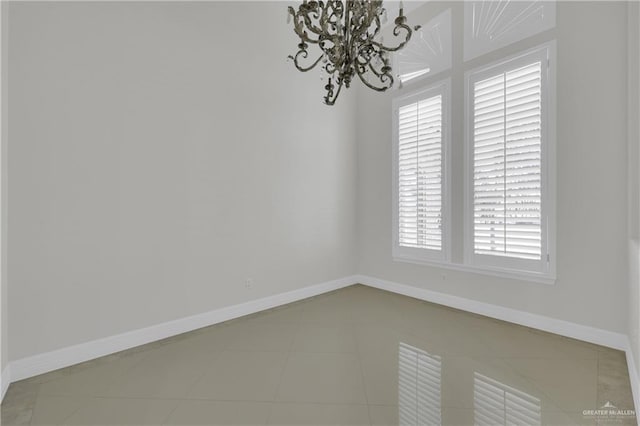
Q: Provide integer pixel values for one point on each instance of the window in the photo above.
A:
(507, 217)
(491, 24)
(420, 156)
(509, 210)
(429, 51)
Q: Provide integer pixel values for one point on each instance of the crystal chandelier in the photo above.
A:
(348, 35)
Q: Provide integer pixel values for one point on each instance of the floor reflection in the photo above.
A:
(498, 404)
(419, 387)
(420, 394)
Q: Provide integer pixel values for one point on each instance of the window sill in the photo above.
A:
(484, 270)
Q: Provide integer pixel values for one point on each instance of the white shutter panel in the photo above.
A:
(419, 387)
(420, 174)
(507, 203)
(498, 404)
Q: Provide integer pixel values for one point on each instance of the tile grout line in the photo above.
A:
(204, 374)
(66, 418)
(166, 419)
(358, 356)
(284, 366)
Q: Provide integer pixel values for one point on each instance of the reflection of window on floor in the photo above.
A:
(419, 387)
(498, 404)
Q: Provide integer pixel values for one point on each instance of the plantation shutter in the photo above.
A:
(420, 174)
(507, 130)
(498, 404)
(419, 387)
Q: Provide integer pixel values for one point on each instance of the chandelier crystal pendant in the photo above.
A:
(348, 35)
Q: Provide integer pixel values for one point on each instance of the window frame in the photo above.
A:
(544, 269)
(410, 254)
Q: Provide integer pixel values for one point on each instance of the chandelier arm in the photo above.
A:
(335, 17)
(329, 12)
(298, 25)
(299, 29)
(323, 19)
(330, 98)
(304, 54)
(382, 75)
(303, 34)
(357, 30)
(308, 21)
(376, 31)
(369, 14)
(371, 86)
(396, 32)
(375, 72)
(305, 37)
(330, 68)
(373, 15)
(365, 59)
(348, 39)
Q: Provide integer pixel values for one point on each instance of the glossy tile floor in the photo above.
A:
(357, 356)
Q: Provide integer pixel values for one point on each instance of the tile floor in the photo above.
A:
(356, 356)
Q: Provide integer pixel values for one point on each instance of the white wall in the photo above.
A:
(161, 153)
(633, 130)
(4, 330)
(591, 288)
(139, 193)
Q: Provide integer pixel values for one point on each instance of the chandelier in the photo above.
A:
(348, 35)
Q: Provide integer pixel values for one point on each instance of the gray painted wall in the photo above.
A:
(158, 159)
(4, 329)
(633, 129)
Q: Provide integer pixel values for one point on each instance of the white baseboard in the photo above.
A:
(43, 363)
(49, 361)
(5, 380)
(564, 328)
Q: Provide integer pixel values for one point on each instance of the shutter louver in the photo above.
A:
(507, 203)
(498, 404)
(420, 174)
(419, 387)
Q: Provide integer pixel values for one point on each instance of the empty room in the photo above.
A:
(307, 212)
